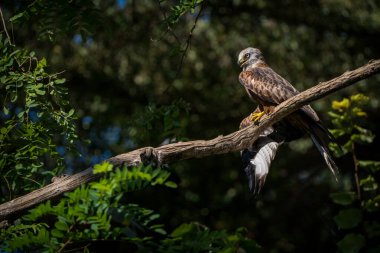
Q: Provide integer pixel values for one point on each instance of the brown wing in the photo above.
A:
(268, 88)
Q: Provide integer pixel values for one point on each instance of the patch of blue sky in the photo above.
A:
(33, 115)
(61, 150)
(86, 122)
(121, 3)
(78, 39)
(112, 135)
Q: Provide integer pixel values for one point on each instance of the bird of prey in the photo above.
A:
(268, 89)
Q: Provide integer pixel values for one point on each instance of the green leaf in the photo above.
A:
(160, 231)
(40, 92)
(171, 184)
(20, 114)
(351, 243)
(70, 113)
(373, 166)
(348, 218)
(14, 97)
(369, 183)
(334, 115)
(101, 187)
(61, 226)
(17, 16)
(57, 233)
(60, 81)
(6, 111)
(343, 198)
(337, 150)
(372, 205)
(3, 130)
(228, 250)
(42, 63)
(102, 168)
(363, 138)
(359, 98)
(184, 229)
(337, 132)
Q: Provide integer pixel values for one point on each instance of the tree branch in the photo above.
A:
(5, 27)
(235, 141)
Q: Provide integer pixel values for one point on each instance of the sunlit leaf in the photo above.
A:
(359, 98)
(372, 166)
(6, 111)
(61, 226)
(183, 229)
(341, 105)
(171, 184)
(372, 205)
(57, 233)
(369, 183)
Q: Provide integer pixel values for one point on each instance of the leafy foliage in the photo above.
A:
(194, 237)
(357, 208)
(34, 115)
(61, 17)
(86, 213)
(182, 8)
(126, 62)
(346, 117)
(99, 211)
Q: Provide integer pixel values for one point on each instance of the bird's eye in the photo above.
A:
(247, 55)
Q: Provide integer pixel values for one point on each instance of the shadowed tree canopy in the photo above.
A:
(139, 74)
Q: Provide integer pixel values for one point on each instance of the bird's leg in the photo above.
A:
(256, 116)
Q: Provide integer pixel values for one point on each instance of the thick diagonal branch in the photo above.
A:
(235, 141)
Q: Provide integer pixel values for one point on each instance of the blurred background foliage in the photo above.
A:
(143, 73)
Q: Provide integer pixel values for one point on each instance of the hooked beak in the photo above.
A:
(241, 62)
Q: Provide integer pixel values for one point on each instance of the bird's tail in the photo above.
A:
(321, 138)
(257, 160)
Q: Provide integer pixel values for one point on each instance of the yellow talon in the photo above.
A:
(256, 116)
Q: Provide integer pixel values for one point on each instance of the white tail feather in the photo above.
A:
(266, 151)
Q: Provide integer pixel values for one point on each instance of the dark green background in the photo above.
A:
(120, 58)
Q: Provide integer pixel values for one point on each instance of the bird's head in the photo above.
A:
(249, 57)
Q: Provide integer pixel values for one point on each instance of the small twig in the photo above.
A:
(78, 249)
(5, 27)
(68, 241)
(168, 27)
(13, 34)
(63, 246)
(188, 41)
(57, 74)
(32, 180)
(9, 187)
(356, 166)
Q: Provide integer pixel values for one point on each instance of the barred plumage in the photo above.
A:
(269, 89)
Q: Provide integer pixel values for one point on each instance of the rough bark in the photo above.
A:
(192, 149)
